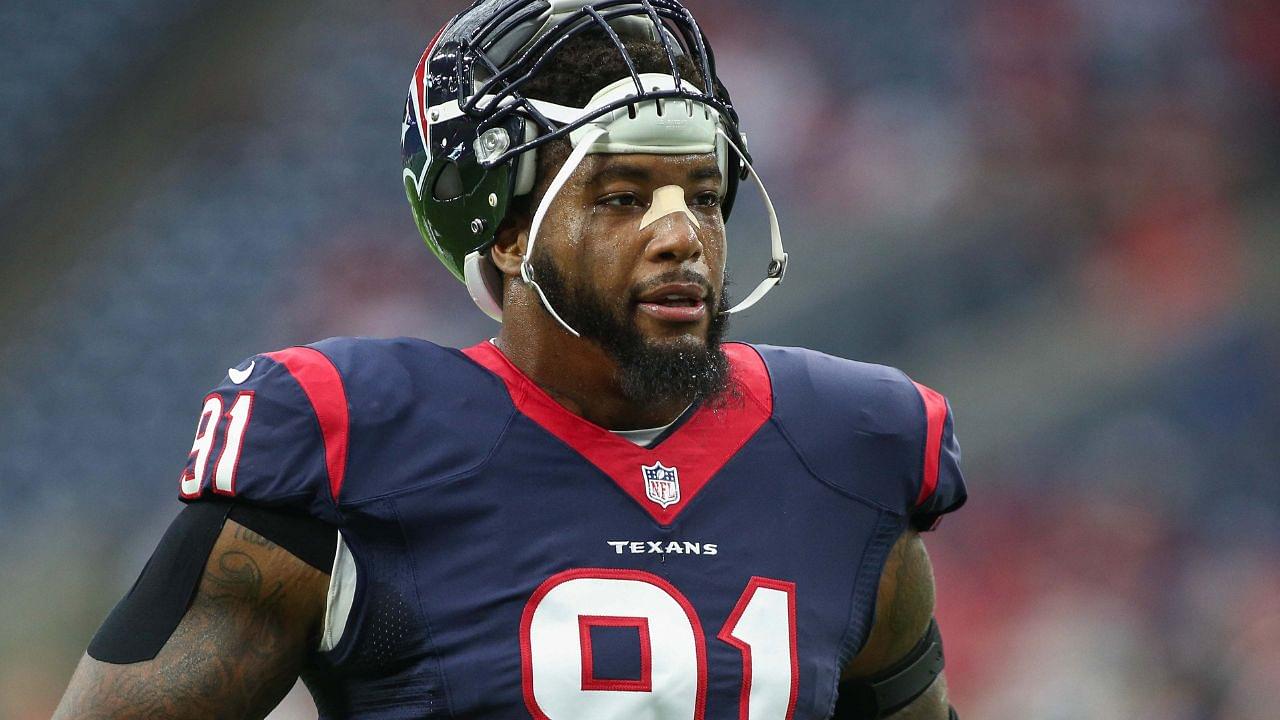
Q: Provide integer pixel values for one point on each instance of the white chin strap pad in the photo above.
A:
(557, 184)
(660, 127)
(484, 284)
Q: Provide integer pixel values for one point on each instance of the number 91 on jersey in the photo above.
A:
(556, 648)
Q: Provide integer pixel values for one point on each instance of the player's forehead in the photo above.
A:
(647, 168)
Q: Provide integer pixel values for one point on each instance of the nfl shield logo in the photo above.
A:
(661, 484)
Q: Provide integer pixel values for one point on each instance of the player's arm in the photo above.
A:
(237, 651)
(903, 617)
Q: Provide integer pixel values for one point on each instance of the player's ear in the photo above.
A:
(509, 244)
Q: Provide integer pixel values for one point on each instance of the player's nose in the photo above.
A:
(674, 239)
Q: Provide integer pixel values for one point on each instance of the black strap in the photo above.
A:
(142, 622)
(895, 688)
(312, 541)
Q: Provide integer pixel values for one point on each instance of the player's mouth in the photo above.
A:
(675, 302)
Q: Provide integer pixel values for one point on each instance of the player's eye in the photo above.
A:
(707, 199)
(620, 200)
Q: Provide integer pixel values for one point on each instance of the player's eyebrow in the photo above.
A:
(706, 172)
(622, 171)
(641, 174)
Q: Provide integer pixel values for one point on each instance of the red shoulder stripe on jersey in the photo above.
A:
(696, 450)
(322, 385)
(935, 410)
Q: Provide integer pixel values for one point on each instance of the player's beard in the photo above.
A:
(649, 371)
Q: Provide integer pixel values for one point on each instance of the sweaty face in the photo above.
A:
(632, 256)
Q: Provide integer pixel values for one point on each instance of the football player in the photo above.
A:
(604, 512)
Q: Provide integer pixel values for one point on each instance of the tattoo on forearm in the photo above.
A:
(238, 578)
(234, 655)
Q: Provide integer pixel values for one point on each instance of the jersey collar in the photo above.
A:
(683, 462)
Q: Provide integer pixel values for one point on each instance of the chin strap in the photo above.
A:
(557, 184)
(778, 257)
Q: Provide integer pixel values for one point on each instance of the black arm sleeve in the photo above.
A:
(143, 620)
(312, 541)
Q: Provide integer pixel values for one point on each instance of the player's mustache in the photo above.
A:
(675, 276)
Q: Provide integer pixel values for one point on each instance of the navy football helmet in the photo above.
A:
(470, 135)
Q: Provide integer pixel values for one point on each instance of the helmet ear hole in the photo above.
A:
(448, 184)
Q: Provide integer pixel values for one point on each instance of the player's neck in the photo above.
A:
(581, 377)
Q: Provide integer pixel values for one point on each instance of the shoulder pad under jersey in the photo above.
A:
(341, 421)
(419, 414)
(271, 433)
(869, 431)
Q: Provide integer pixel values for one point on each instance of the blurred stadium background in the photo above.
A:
(1062, 213)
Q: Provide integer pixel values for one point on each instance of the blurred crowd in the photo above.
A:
(1062, 214)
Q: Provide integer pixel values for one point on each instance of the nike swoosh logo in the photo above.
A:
(239, 376)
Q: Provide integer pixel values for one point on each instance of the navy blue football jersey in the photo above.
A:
(515, 560)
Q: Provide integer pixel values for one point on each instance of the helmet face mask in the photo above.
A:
(470, 135)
